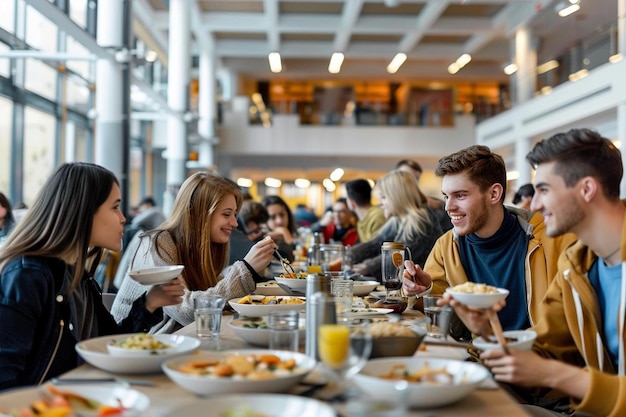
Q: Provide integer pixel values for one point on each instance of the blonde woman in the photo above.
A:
(409, 220)
(197, 236)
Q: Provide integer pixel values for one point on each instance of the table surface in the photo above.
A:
(489, 400)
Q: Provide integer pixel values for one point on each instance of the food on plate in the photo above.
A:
(255, 325)
(59, 403)
(252, 367)
(295, 275)
(260, 299)
(386, 329)
(141, 341)
(426, 375)
(474, 288)
(243, 411)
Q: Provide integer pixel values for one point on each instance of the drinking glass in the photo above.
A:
(344, 350)
(343, 291)
(208, 315)
(392, 267)
(439, 317)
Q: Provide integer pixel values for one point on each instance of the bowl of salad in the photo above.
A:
(254, 330)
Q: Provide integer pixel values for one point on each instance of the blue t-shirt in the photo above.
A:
(607, 281)
(499, 260)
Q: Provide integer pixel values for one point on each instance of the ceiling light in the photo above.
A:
(565, 9)
(512, 175)
(396, 63)
(616, 58)
(276, 65)
(329, 185)
(464, 59)
(244, 182)
(302, 183)
(335, 63)
(453, 68)
(151, 56)
(547, 66)
(545, 90)
(273, 182)
(336, 174)
(578, 75)
(510, 69)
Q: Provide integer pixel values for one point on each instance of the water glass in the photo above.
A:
(343, 291)
(208, 315)
(439, 317)
(396, 405)
(284, 328)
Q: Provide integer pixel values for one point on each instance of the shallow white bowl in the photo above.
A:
(95, 352)
(207, 385)
(259, 336)
(109, 394)
(275, 405)
(269, 288)
(467, 376)
(524, 340)
(298, 284)
(364, 287)
(116, 350)
(260, 310)
(156, 276)
(479, 300)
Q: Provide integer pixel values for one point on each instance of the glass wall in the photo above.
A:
(6, 112)
(39, 151)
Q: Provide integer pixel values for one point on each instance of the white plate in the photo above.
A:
(467, 377)
(272, 405)
(269, 288)
(260, 310)
(95, 352)
(116, 350)
(156, 276)
(525, 340)
(298, 284)
(210, 385)
(108, 394)
(479, 300)
(360, 312)
(259, 336)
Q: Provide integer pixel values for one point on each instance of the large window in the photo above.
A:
(6, 115)
(39, 151)
(41, 79)
(5, 64)
(41, 33)
(8, 14)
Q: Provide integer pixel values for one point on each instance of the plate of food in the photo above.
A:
(269, 288)
(156, 276)
(113, 399)
(477, 295)
(367, 311)
(255, 405)
(254, 330)
(237, 371)
(297, 283)
(261, 305)
(95, 351)
(141, 344)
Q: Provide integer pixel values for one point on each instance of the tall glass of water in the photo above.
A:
(208, 314)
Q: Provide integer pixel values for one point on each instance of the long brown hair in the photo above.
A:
(59, 223)
(189, 225)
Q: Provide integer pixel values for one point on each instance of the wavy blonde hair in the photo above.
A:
(406, 201)
(189, 225)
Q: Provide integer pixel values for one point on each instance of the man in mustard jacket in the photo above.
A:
(489, 243)
(580, 330)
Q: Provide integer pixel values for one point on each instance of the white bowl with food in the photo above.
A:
(254, 330)
(269, 288)
(432, 382)
(297, 284)
(515, 339)
(364, 287)
(239, 405)
(95, 352)
(477, 295)
(141, 344)
(259, 305)
(238, 371)
(157, 275)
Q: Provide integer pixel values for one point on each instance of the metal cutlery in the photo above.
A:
(285, 263)
(71, 381)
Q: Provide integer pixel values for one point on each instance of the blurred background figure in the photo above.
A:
(147, 216)
(342, 228)
(281, 219)
(524, 196)
(7, 221)
(304, 216)
(371, 218)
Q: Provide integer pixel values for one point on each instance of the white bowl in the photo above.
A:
(298, 284)
(208, 385)
(275, 405)
(259, 336)
(116, 350)
(524, 340)
(269, 288)
(364, 287)
(467, 377)
(479, 300)
(260, 310)
(156, 276)
(95, 352)
(109, 394)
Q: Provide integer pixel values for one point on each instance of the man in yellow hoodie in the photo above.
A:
(580, 329)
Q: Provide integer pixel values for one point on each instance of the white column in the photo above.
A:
(522, 147)
(526, 60)
(207, 105)
(109, 89)
(70, 142)
(177, 98)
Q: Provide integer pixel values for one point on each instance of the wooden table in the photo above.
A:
(488, 401)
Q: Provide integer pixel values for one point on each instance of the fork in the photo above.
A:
(285, 263)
